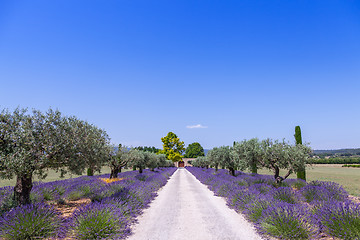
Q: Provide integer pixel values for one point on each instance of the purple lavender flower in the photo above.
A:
(285, 194)
(32, 221)
(98, 221)
(255, 209)
(323, 191)
(288, 221)
(340, 219)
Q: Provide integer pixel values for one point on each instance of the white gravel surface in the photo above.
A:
(187, 209)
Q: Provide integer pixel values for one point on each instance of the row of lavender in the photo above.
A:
(293, 210)
(114, 206)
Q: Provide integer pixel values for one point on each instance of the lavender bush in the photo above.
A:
(285, 194)
(256, 208)
(6, 200)
(336, 191)
(340, 219)
(288, 221)
(33, 221)
(98, 221)
(323, 191)
(297, 183)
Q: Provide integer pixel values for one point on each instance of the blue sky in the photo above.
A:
(140, 69)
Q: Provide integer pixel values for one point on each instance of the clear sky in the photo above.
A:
(233, 69)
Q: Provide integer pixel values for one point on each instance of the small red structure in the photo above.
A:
(181, 164)
(185, 162)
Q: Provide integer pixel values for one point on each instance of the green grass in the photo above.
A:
(53, 176)
(349, 178)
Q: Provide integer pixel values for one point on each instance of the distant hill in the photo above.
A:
(338, 152)
(206, 151)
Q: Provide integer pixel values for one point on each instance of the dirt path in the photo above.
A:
(187, 209)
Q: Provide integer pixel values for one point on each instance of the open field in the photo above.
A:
(349, 178)
(54, 176)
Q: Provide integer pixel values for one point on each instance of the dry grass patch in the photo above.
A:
(67, 208)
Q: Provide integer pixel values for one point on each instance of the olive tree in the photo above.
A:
(93, 145)
(278, 155)
(119, 157)
(137, 159)
(221, 156)
(201, 161)
(247, 154)
(213, 158)
(153, 160)
(32, 143)
(163, 162)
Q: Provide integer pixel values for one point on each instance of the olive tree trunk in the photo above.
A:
(22, 189)
(253, 168)
(114, 172)
(90, 171)
(232, 171)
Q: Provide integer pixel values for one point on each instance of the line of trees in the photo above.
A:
(254, 154)
(33, 142)
(140, 160)
(137, 158)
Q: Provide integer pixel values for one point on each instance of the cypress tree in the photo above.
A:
(298, 135)
(301, 174)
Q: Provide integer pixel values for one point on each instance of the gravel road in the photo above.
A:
(187, 209)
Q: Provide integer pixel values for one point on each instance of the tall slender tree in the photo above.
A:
(301, 174)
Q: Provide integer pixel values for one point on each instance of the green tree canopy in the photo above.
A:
(221, 156)
(194, 150)
(118, 159)
(278, 155)
(201, 161)
(172, 147)
(247, 154)
(137, 159)
(148, 149)
(33, 143)
(214, 158)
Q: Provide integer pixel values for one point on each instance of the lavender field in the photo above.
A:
(293, 210)
(81, 208)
